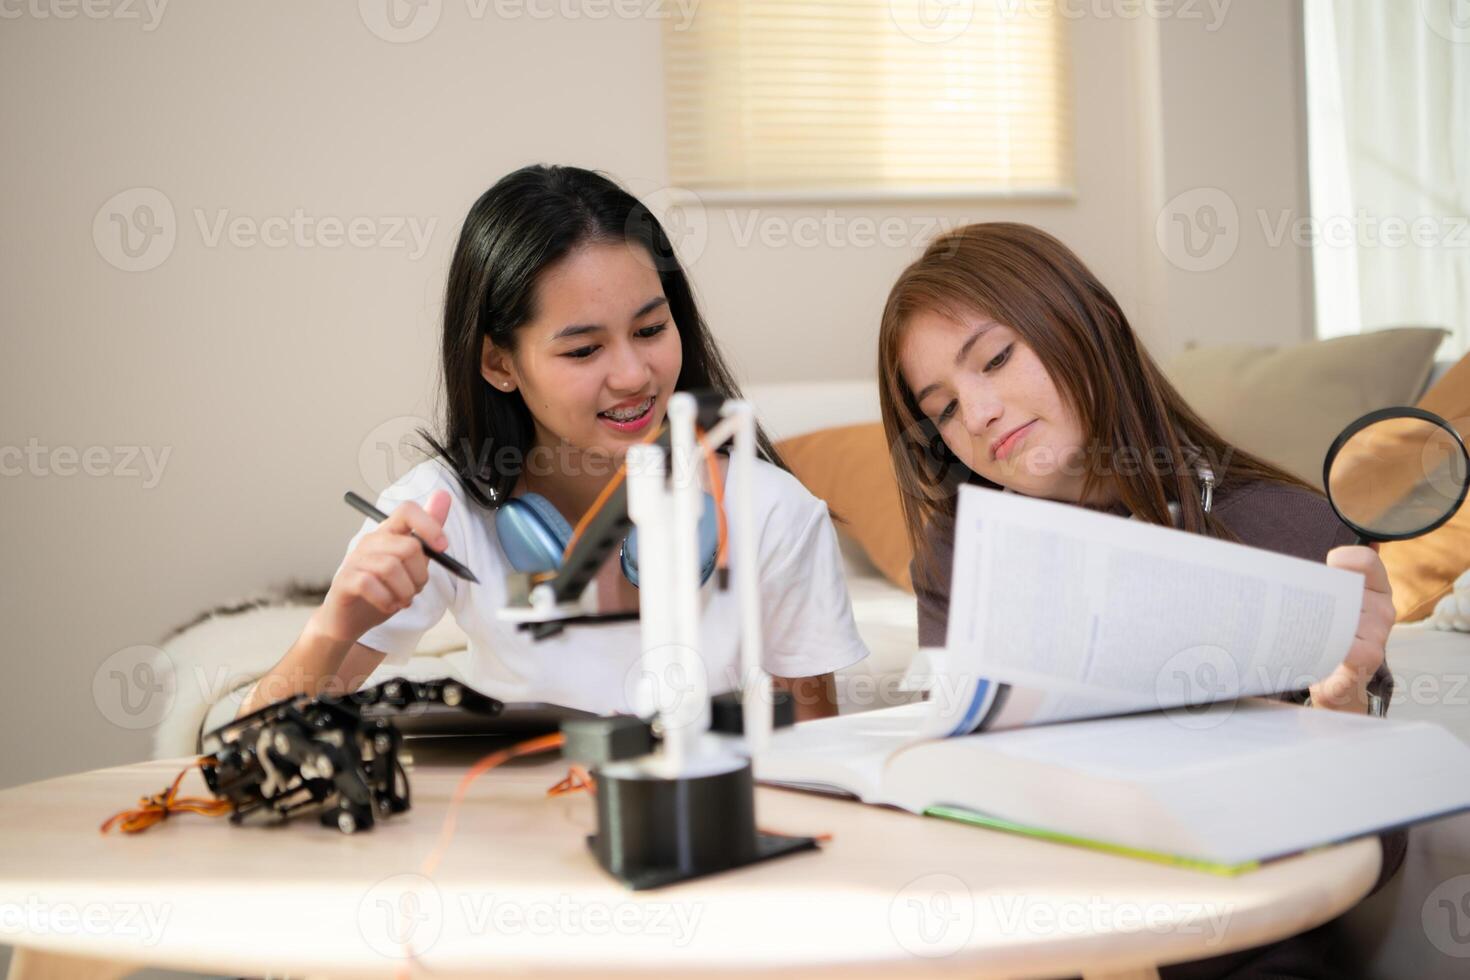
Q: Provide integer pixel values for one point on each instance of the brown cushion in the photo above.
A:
(849, 467)
(1423, 570)
(1287, 404)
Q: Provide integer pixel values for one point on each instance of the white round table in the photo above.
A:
(518, 892)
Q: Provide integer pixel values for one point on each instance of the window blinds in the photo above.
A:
(883, 98)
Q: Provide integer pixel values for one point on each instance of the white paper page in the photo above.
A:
(845, 753)
(1152, 748)
(1108, 615)
(1021, 707)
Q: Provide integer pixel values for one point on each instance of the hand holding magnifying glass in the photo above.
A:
(1392, 475)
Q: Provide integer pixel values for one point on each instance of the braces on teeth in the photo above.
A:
(629, 414)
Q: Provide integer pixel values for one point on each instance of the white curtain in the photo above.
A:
(1388, 119)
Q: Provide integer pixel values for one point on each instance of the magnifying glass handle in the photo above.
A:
(1364, 541)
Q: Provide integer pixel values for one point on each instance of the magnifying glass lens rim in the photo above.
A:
(1383, 415)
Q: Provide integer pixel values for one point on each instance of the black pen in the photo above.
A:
(369, 510)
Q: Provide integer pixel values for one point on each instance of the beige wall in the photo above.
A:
(264, 373)
(1233, 125)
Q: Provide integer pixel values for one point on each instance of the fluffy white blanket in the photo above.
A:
(207, 667)
(1453, 611)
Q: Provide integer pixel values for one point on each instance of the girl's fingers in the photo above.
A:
(390, 572)
(1330, 689)
(438, 507)
(417, 566)
(411, 517)
(1343, 688)
(1364, 561)
(408, 552)
(383, 542)
(1376, 619)
(376, 594)
(1363, 659)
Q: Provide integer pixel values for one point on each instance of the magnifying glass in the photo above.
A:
(1396, 474)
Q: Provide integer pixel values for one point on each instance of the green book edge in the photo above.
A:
(1173, 860)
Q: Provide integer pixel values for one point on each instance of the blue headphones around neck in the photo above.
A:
(534, 536)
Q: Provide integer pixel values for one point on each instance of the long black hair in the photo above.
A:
(530, 219)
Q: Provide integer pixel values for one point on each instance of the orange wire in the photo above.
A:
(602, 498)
(576, 780)
(824, 838)
(529, 747)
(446, 833)
(152, 809)
(717, 490)
(592, 511)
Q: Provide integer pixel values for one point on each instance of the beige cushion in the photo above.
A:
(1287, 404)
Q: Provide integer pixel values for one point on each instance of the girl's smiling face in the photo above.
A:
(993, 403)
(601, 356)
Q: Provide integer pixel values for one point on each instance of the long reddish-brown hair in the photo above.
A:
(1024, 278)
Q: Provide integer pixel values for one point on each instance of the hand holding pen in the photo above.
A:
(410, 518)
(387, 568)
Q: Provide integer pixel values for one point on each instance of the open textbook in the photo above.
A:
(1088, 692)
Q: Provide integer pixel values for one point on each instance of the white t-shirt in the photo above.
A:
(805, 610)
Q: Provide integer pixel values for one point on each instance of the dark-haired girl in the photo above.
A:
(568, 324)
